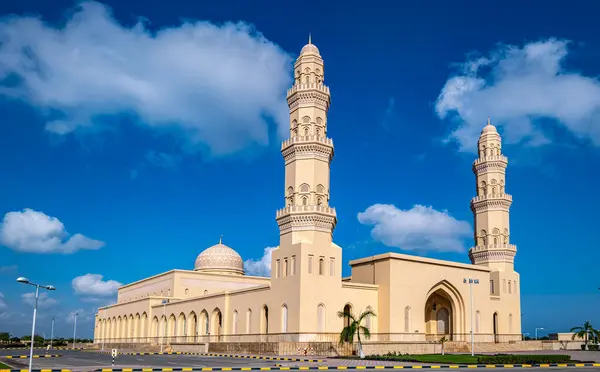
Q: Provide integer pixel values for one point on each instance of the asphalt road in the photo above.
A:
(87, 361)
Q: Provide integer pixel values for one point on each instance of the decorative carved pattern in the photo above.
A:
(221, 257)
(315, 98)
(307, 151)
(299, 222)
(486, 204)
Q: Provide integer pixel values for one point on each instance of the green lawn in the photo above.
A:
(4, 366)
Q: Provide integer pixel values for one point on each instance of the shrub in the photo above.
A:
(594, 347)
(583, 346)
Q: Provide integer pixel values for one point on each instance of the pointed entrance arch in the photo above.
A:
(495, 326)
(444, 312)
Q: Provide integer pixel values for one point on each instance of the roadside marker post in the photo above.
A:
(114, 354)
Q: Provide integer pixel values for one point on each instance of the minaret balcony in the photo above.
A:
(506, 197)
(495, 158)
(306, 140)
(311, 86)
(494, 247)
(300, 209)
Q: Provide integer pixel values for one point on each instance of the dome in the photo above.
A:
(310, 48)
(220, 259)
(489, 128)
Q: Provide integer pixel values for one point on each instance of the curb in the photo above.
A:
(455, 366)
(35, 370)
(27, 356)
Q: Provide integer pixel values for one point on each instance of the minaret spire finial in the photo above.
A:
(489, 121)
(221, 239)
(309, 38)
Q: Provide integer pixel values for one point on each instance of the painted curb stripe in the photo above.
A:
(27, 356)
(35, 370)
(219, 355)
(304, 368)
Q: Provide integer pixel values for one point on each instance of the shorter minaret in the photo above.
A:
(491, 205)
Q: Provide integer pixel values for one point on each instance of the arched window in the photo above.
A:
(235, 321)
(321, 318)
(320, 189)
(368, 319)
(443, 321)
(510, 325)
(285, 267)
(305, 201)
(407, 319)
(319, 121)
(310, 264)
(319, 201)
(290, 191)
(304, 188)
(187, 291)
(306, 119)
(321, 266)
(265, 320)
(205, 292)
(504, 285)
(249, 321)
(509, 287)
(306, 131)
(284, 318)
(477, 320)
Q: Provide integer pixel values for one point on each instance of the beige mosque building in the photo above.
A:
(415, 299)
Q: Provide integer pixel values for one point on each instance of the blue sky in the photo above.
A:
(121, 140)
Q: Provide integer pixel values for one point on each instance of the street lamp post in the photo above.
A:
(471, 282)
(52, 333)
(37, 291)
(536, 333)
(74, 329)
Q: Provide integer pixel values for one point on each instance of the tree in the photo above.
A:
(442, 341)
(586, 332)
(4, 336)
(355, 327)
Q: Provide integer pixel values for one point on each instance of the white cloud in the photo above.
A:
(33, 231)
(93, 285)
(417, 229)
(260, 267)
(3, 305)
(516, 86)
(44, 301)
(220, 84)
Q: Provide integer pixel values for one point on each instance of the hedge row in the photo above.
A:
(522, 359)
(478, 359)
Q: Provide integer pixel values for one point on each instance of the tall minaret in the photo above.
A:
(491, 205)
(306, 258)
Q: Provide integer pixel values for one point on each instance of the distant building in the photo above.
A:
(414, 298)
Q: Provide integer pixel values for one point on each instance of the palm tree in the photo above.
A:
(586, 332)
(442, 341)
(355, 327)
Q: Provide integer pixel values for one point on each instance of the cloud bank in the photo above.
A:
(219, 84)
(261, 267)
(35, 232)
(517, 86)
(417, 229)
(93, 285)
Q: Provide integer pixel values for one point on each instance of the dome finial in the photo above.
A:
(221, 239)
(309, 38)
(489, 122)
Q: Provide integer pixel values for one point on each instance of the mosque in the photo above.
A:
(415, 299)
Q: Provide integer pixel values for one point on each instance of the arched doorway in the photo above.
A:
(439, 315)
(217, 323)
(495, 326)
(264, 325)
(347, 310)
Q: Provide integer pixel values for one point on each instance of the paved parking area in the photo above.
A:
(87, 361)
